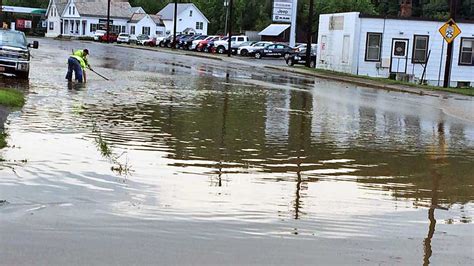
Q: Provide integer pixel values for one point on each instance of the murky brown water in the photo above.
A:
(200, 154)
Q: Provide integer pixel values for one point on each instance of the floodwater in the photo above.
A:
(184, 160)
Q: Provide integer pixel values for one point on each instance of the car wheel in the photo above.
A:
(244, 52)
(221, 50)
(312, 64)
(258, 55)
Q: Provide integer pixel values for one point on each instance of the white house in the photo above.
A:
(384, 47)
(151, 25)
(190, 18)
(84, 17)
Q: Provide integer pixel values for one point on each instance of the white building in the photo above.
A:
(384, 47)
(141, 23)
(190, 19)
(81, 18)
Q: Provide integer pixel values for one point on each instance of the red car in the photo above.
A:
(202, 45)
(112, 37)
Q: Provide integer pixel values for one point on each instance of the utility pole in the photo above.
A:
(175, 23)
(1, 14)
(449, 55)
(229, 48)
(294, 13)
(226, 5)
(310, 33)
(108, 21)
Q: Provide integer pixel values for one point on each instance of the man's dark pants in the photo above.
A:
(74, 65)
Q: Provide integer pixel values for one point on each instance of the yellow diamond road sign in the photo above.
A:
(450, 31)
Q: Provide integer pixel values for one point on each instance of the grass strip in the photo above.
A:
(463, 91)
(11, 98)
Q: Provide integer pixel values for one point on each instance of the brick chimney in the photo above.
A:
(406, 8)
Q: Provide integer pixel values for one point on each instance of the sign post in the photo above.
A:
(449, 31)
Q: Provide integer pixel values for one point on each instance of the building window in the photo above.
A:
(69, 10)
(190, 13)
(51, 26)
(346, 41)
(73, 10)
(199, 25)
(123, 29)
(373, 47)
(146, 30)
(466, 53)
(420, 49)
(132, 30)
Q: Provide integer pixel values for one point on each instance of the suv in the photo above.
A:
(222, 45)
(15, 53)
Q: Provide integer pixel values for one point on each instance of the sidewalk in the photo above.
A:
(360, 81)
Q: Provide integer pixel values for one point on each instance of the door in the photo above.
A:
(399, 56)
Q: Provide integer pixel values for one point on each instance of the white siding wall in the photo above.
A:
(406, 29)
(147, 22)
(54, 17)
(331, 43)
(185, 21)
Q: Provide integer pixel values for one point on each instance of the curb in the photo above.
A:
(374, 85)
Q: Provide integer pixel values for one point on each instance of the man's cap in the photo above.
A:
(86, 51)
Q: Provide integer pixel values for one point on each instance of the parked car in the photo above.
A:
(181, 41)
(111, 37)
(236, 48)
(221, 46)
(300, 58)
(301, 47)
(195, 39)
(123, 38)
(211, 48)
(151, 41)
(15, 55)
(142, 38)
(274, 50)
(195, 43)
(248, 50)
(202, 45)
(98, 34)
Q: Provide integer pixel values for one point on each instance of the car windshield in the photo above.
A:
(123, 35)
(13, 38)
(260, 44)
(142, 37)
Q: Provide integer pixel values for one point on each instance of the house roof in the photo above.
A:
(137, 9)
(469, 21)
(97, 8)
(274, 29)
(139, 16)
(60, 5)
(167, 13)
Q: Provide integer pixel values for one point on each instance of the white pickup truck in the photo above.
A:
(221, 46)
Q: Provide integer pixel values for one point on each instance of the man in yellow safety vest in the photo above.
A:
(78, 63)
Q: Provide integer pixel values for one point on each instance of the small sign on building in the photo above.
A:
(450, 30)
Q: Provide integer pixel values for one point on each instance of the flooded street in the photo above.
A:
(185, 160)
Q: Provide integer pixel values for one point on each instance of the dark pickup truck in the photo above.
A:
(15, 53)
